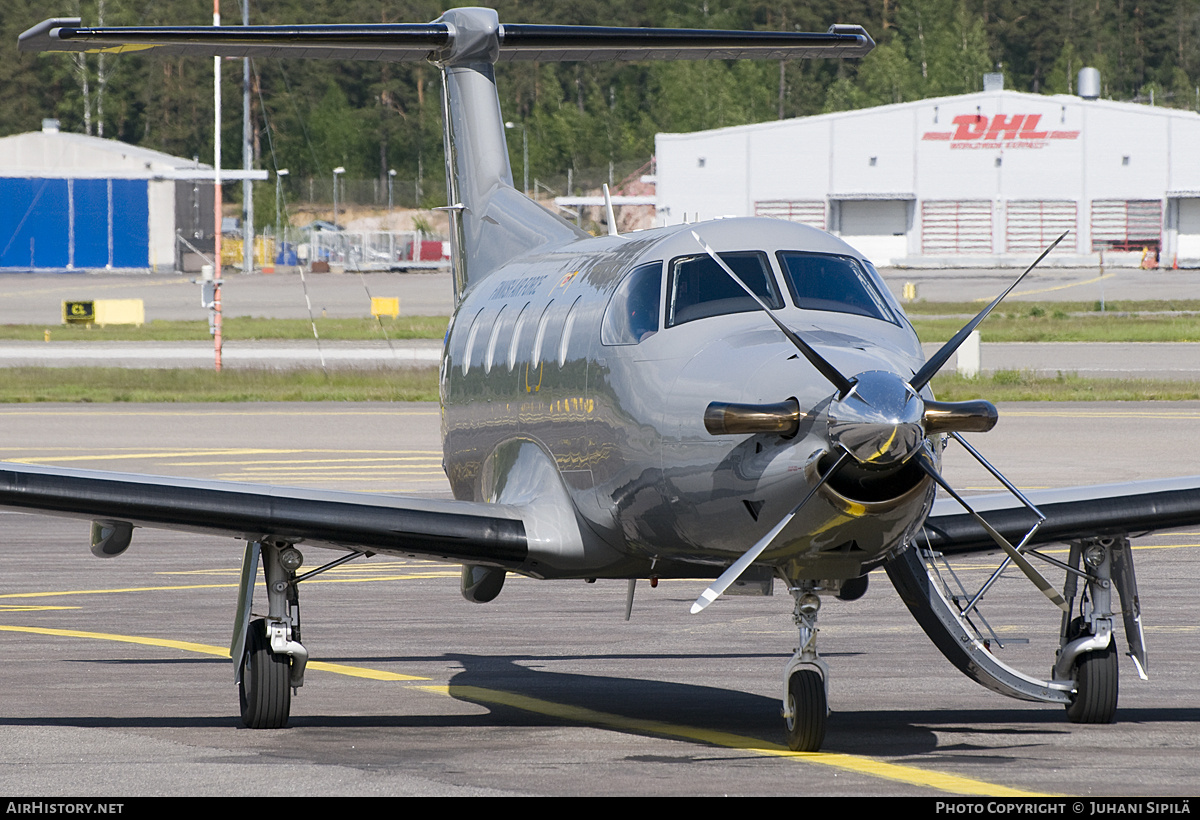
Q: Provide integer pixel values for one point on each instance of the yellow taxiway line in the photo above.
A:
(909, 775)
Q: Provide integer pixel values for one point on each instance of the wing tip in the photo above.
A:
(41, 37)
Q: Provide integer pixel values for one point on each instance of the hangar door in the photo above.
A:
(1187, 224)
(74, 223)
(878, 228)
(956, 227)
(1120, 225)
(809, 212)
(1033, 224)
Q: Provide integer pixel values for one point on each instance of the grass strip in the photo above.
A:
(1062, 327)
(1013, 385)
(116, 384)
(238, 328)
(923, 308)
(934, 321)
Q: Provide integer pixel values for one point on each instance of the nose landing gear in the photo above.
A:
(805, 704)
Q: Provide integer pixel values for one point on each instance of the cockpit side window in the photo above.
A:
(700, 288)
(632, 313)
(834, 283)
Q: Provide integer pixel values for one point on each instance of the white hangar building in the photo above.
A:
(985, 179)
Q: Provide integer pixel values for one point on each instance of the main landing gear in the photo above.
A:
(269, 658)
(805, 705)
(272, 659)
(1088, 655)
(945, 594)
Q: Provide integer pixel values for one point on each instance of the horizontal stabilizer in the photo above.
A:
(435, 41)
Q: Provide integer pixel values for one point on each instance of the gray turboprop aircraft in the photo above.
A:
(740, 399)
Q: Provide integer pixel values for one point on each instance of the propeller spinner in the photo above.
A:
(877, 419)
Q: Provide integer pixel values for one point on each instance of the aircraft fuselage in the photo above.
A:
(539, 352)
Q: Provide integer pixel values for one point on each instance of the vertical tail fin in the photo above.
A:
(491, 222)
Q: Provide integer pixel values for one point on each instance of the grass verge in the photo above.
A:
(239, 328)
(88, 384)
(1012, 385)
(920, 308)
(1060, 326)
(115, 384)
(1016, 322)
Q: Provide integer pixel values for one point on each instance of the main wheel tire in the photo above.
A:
(1096, 676)
(806, 700)
(266, 695)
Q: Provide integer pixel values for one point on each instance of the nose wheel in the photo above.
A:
(805, 704)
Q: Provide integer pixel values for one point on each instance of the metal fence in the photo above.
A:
(378, 250)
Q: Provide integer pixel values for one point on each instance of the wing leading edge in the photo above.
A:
(1071, 514)
(459, 531)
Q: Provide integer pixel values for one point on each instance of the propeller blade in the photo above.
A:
(718, 587)
(722, 417)
(926, 463)
(931, 367)
(826, 369)
(976, 416)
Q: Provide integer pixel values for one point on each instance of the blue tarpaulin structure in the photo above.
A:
(74, 223)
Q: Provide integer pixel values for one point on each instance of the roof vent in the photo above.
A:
(49, 126)
(993, 82)
(1089, 83)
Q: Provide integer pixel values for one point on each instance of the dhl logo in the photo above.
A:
(1002, 131)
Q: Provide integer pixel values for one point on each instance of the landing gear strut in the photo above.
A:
(269, 659)
(272, 657)
(805, 706)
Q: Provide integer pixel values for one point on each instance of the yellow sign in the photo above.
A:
(385, 306)
(78, 313)
(104, 312)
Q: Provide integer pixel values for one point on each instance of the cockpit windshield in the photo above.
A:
(700, 288)
(632, 313)
(834, 283)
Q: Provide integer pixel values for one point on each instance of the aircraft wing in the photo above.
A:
(1071, 513)
(424, 41)
(459, 531)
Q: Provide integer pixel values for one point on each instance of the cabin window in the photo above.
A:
(568, 327)
(835, 283)
(632, 313)
(536, 357)
(470, 346)
(513, 344)
(491, 348)
(701, 288)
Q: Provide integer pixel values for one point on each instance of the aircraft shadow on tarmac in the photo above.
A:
(707, 708)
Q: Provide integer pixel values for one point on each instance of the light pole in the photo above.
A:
(524, 154)
(391, 178)
(336, 172)
(279, 175)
